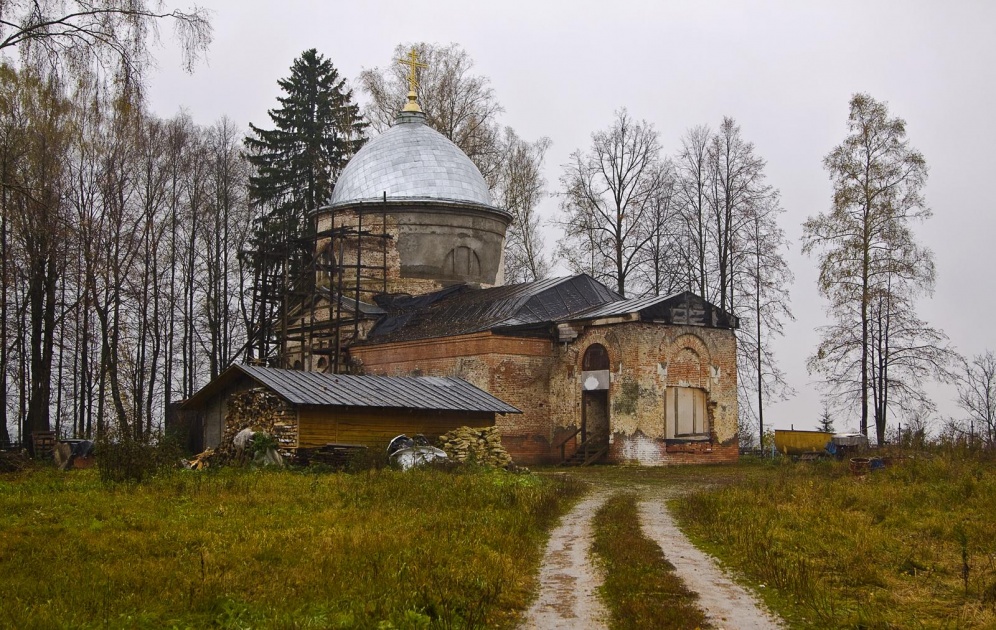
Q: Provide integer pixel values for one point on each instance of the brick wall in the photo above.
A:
(543, 379)
(514, 369)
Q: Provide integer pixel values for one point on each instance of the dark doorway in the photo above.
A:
(595, 417)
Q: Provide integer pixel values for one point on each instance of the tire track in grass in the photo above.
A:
(568, 581)
(728, 606)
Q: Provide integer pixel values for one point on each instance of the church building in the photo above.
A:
(412, 286)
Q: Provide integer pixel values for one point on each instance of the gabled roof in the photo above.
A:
(680, 308)
(461, 311)
(300, 387)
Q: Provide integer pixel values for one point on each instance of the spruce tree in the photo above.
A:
(295, 167)
(318, 128)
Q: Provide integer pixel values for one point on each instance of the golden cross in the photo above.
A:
(413, 65)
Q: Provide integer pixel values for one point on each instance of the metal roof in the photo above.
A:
(411, 162)
(624, 307)
(300, 387)
(469, 311)
(684, 308)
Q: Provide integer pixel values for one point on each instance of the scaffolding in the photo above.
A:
(311, 294)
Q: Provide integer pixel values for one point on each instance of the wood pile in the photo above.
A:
(259, 410)
(480, 446)
(200, 461)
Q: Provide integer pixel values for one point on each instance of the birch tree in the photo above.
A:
(868, 260)
(457, 102)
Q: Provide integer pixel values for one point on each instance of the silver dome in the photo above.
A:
(411, 161)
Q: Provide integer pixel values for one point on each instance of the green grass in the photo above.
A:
(240, 549)
(913, 546)
(641, 589)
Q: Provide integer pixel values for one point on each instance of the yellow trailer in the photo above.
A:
(801, 442)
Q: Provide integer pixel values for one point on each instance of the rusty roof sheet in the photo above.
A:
(301, 387)
(470, 311)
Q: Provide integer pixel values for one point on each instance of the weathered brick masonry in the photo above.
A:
(543, 379)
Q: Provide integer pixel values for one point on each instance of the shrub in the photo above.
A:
(122, 458)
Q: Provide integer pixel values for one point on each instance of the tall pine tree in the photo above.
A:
(296, 165)
(318, 128)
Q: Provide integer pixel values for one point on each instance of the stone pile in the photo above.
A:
(480, 446)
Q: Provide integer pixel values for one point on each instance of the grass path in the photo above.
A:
(569, 581)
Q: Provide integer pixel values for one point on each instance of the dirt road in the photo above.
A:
(569, 581)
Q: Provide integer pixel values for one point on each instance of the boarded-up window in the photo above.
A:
(687, 411)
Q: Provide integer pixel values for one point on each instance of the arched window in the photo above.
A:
(462, 261)
(596, 357)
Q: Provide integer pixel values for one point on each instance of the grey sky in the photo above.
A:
(784, 70)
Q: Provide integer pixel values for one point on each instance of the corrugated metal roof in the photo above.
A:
(624, 307)
(469, 311)
(406, 392)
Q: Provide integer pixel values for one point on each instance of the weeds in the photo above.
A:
(263, 549)
(903, 547)
(641, 589)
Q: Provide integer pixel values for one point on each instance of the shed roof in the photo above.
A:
(457, 312)
(300, 387)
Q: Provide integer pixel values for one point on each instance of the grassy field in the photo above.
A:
(641, 589)
(240, 549)
(911, 546)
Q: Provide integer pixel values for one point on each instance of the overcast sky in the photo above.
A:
(784, 70)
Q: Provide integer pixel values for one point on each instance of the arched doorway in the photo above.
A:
(595, 396)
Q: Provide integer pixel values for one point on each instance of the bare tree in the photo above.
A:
(662, 270)
(608, 193)
(977, 395)
(866, 249)
(694, 177)
(763, 289)
(34, 113)
(457, 103)
(113, 35)
(519, 187)
(736, 190)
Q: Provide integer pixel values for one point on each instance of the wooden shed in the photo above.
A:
(317, 409)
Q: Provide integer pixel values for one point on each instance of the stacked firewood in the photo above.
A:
(481, 446)
(259, 410)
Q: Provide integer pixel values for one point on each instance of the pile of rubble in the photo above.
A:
(480, 446)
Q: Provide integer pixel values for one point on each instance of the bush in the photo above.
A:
(126, 459)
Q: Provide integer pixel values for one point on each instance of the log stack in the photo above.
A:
(475, 445)
(261, 411)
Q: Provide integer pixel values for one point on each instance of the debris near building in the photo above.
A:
(480, 446)
(200, 461)
(260, 411)
(14, 461)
